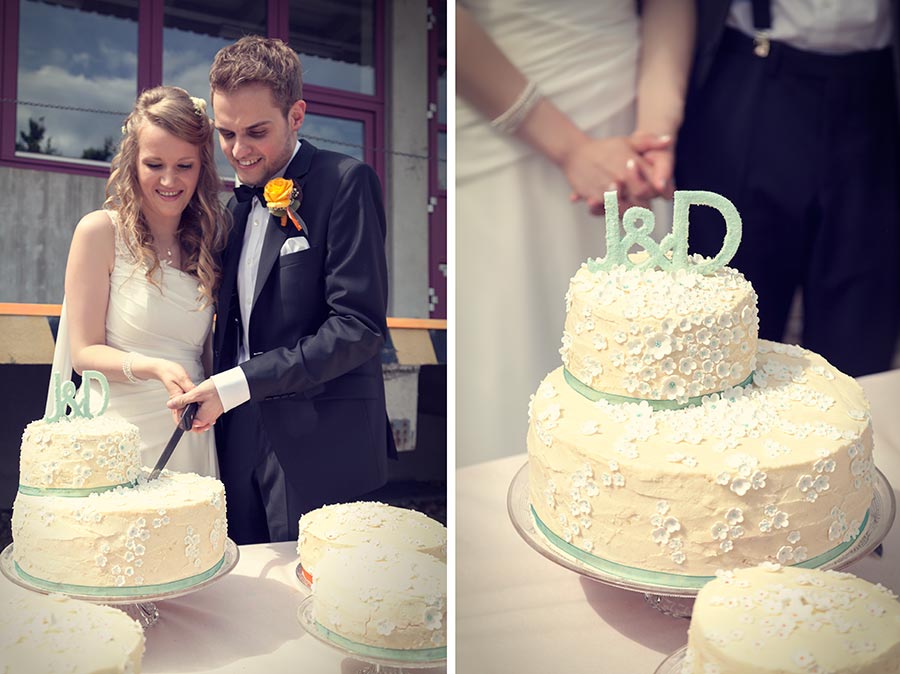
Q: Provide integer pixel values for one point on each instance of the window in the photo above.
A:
(86, 86)
(192, 34)
(70, 70)
(333, 133)
(336, 42)
(339, 43)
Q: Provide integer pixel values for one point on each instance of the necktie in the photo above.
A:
(247, 192)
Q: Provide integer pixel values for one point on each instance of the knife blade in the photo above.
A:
(184, 424)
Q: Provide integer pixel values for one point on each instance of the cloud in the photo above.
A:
(73, 131)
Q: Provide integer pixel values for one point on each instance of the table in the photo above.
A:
(246, 622)
(519, 612)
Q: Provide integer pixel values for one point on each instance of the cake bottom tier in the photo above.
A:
(781, 470)
(168, 531)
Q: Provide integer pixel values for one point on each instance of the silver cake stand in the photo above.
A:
(665, 595)
(139, 605)
(388, 663)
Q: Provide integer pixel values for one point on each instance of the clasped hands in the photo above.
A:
(182, 391)
(639, 167)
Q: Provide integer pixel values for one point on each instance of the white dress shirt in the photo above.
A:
(823, 26)
(231, 384)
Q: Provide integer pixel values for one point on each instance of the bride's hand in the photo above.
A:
(603, 164)
(659, 152)
(173, 376)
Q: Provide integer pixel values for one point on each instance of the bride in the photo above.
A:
(142, 274)
(558, 102)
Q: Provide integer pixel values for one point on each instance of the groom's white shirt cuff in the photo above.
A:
(232, 387)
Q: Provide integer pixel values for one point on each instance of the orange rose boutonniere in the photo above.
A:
(282, 199)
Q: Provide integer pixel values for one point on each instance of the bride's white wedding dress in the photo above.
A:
(518, 238)
(164, 322)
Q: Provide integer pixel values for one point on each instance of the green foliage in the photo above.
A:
(104, 153)
(31, 141)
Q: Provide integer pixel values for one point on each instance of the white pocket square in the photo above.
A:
(294, 244)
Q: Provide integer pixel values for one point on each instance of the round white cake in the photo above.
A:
(659, 335)
(344, 526)
(381, 596)
(673, 441)
(159, 533)
(772, 619)
(41, 633)
(87, 521)
(78, 454)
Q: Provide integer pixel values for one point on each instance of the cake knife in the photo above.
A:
(187, 420)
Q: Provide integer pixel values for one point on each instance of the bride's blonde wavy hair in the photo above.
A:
(205, 222)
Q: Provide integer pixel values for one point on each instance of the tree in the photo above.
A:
(31, 141)
(104, 153)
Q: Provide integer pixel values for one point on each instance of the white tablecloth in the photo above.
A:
(518, 612)
(244, 622)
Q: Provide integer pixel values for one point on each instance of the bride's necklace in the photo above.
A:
(169, 258)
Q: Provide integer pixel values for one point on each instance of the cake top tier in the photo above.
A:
(351, 524)
(799, 620)
(78, 456)
(670, 337)
(659, 324)
(54, 633)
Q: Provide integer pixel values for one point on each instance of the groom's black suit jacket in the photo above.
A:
(316, 331)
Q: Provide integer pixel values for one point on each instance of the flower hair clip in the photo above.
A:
(283, 198)
(199, 106)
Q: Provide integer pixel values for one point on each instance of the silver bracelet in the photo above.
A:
(511, 119)
(126, 367)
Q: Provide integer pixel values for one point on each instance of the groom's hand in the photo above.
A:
(210, 409)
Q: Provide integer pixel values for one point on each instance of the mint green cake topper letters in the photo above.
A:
(64, 396)
(671, 253)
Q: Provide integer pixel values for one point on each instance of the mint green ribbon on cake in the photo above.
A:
(656, 405)
(121, 592)
(407, 655)
(669, 580)
(70, 492)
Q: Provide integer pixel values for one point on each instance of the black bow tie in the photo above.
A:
(247, 192)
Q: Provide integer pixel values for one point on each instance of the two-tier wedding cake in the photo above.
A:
(672, 440)
(87, 520)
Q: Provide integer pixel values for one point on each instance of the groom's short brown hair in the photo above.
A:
(259, 60)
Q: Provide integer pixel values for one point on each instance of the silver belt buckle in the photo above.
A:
(761, 44)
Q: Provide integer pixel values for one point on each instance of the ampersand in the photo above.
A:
(64, 394)
(671, 253)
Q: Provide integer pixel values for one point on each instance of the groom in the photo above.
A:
(301, 309)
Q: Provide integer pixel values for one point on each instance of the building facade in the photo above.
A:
(375, 85)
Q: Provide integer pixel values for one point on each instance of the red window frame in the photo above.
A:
(369, 109)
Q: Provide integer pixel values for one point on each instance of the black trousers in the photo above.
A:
(807, 147)
(261, 504)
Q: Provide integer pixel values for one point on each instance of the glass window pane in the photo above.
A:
(336, 42)
(82, 56)
(335, 134)
(192, 34)
(442, 160)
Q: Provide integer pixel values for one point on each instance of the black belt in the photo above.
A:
(872, 63)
